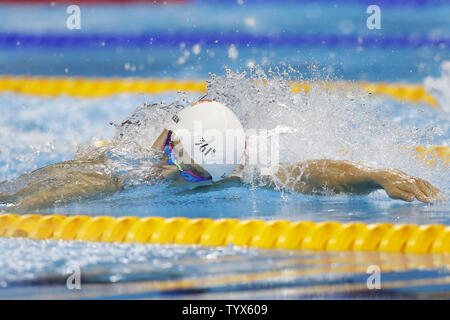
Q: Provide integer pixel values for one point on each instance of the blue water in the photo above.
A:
(169, 33)
(38, 131)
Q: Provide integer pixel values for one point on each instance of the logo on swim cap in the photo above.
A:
(205, 147)
(212, 136)
(175, 119)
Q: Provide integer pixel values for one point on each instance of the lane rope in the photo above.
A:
(16, 41)
(102, 87)
(323, 236)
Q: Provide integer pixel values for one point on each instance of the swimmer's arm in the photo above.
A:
(81, 187)
(60, 183)
(325, 176)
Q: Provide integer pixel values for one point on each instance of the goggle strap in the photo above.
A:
(186, 174)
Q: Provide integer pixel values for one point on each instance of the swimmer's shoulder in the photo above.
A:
(229, 179)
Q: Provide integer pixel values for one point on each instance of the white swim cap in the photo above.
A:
(212, 135)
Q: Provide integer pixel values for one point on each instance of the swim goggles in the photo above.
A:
(186, 174)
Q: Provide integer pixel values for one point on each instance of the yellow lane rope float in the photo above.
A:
(95, 87)
(403, 92)
(430, 154)
(323, 236)
(426, 155)
(101, 87)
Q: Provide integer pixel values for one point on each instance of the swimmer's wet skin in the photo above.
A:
(58, 183)
(86, 178)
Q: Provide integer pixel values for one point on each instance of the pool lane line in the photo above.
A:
(323, 236)
(104, 41)
(82, 87)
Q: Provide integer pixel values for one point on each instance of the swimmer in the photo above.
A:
(192, 158)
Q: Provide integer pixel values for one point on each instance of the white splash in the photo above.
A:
(439, 88)
(330, 121)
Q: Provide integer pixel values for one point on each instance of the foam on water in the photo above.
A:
(440, 87)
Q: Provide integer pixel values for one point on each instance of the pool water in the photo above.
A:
(136, 271)
(191, 40)
(40, 130)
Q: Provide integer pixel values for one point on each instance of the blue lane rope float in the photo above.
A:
(89, 40)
